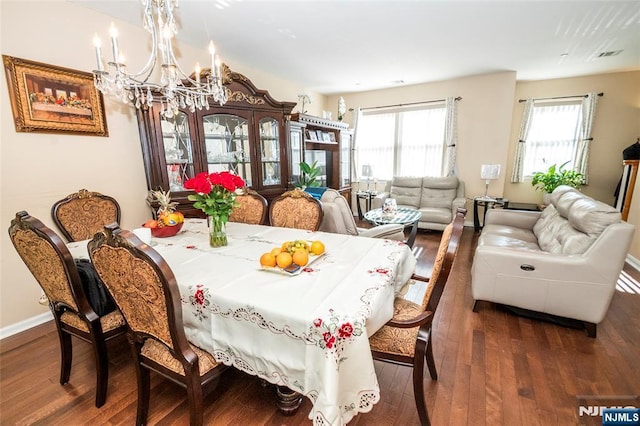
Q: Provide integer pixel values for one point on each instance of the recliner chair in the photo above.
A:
(338, 218)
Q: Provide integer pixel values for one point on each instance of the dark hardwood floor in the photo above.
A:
(495, 368)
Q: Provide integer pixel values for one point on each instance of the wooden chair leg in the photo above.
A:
(66, 354)
(102, 371)
(143, 394)
(418, 381)
(431, 363)
(194, 395)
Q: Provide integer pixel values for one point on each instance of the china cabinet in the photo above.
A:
(248, 136)
(327, 142)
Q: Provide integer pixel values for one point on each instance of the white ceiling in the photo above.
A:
(332, 46)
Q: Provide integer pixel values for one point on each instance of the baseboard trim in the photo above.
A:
(633, 262)
(25, 325)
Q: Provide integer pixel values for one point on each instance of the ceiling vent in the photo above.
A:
(609, 53)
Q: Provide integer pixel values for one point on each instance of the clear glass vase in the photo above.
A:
(217, 232)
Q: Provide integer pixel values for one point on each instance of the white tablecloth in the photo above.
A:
(308, 332)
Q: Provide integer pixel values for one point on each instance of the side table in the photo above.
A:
(367, 196)
(486, 203)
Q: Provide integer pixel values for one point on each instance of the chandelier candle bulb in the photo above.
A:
(198, 72)
(212, 52)
(97, 43)
(113, 32)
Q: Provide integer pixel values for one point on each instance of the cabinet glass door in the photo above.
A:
(345, 159)
(270, 151)
(178, 151)
(295, 137)
(227, 144)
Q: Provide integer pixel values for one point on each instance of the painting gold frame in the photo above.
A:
(50, 99)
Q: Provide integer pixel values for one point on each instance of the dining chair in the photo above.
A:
(406, 338)
(145, 290)
(81, 214)
(53, 267)
(251, 208)
(296, 209)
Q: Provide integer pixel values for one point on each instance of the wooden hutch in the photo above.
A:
(248, 136)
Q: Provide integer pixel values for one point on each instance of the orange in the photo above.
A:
(276, 251)
(285, 246)
(284, 259)
(268, 259)
(300, 257)
(317, 247)
(151, 223)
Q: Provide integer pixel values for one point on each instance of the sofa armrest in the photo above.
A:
(516, 218)
(458, 203)
(378, 201)
(392, 231)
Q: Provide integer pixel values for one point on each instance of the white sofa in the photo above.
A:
(437, 198)
(563, 261)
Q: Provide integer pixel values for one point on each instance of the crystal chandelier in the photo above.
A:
(176, 89)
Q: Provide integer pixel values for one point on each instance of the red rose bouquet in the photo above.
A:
(215, 196)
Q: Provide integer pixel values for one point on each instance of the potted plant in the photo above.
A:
(555, 176)
(308, 175)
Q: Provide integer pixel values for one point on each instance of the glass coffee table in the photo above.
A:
(406, 216)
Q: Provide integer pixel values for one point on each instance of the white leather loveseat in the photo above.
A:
(437, 198)
(563, 261)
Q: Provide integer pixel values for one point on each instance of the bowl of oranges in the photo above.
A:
(292, 256)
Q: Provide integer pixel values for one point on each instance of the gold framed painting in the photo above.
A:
(50, 99)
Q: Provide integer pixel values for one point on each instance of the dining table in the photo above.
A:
(306, 331)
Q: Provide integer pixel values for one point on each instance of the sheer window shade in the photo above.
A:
(402, 141)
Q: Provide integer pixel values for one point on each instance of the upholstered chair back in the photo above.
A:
(141, 283)
(406, 191)
(47, 258)
(337, 215)
(296, 209)
(252, 208)
(80, 215)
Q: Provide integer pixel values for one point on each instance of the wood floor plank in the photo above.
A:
(495, 368)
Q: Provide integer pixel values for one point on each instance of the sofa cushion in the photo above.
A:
(436, 214)
(563, 199)
(592, 216)
(438, 192)
(406, 191)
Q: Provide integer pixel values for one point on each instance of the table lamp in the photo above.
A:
(489, 172)
(367, 171)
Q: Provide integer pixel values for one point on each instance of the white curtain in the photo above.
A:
(521, 147)
(354, 141)
(584, 143)
(450, 138)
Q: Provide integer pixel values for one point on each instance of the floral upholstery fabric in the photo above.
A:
(402, 341)
(136, 289)
(159, 353)
(108, 322)
(46, 266)
(83, 217)
(251, 209)
(296, 209)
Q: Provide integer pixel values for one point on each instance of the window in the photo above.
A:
(553, 136)
(402, 142)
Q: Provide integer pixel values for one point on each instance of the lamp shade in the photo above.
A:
(490, 171)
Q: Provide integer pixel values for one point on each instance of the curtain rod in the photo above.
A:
(560, 97)
(411, 103)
